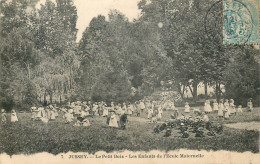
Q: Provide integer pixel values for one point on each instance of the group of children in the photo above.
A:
(224, 109)
(116, 114)
(195, 120)
(50, 112)
(4, 116)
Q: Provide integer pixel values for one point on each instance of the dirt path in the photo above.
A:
(245, 125)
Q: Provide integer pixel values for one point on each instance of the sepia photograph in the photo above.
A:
(101, 77)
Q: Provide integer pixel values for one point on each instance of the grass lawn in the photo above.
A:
(55, 137)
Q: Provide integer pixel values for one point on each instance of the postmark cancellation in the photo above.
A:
(241, 22)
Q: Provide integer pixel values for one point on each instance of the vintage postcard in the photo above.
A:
(129, 81)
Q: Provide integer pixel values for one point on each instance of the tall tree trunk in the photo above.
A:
(217, 91)
(195, 90)
(29, 72)
(51, 97)
(60, 99)
(183, 90)
(44, 99)
(22, 98)
(206, 88)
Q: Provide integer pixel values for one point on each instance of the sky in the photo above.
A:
(87, 9)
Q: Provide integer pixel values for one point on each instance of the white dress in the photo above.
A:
(142, 106)
(52, 115)
(14, 117)
(33, 109)
(150, 113)
(207, 108)
(205, 118)
(130, 109)
(39, 112)
(215, 106)
(77, 109)
(159, 113)
(226, 109)
(239, 110)
(232, 108)
(113, 121)
(226, 115)
(68, 117)
(250, 106)
(56, 113)
(187, 109)
(83, 114)
(124, 108)
(105, 111)
(43, 112)
(95, 109)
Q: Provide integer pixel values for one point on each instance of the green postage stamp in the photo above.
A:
(241, 22)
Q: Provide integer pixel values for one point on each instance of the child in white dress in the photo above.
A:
(221, 109)
(48, 112)
(187, 108)
(154, 118)
(215, 106)
(13, 116)
(142, 106)
(160, 111)
(52, 115)
(119, 111)
(250, 105)
(150, 113)
(130, 109)
(113, 120)
(226, 108)
(105, 112)
(39, 112)
(33, 111)
(83, 114)
(95, 108)
(124, 108)
(68, 116)
(205, 118)
(207, 107)
(239, 109)
(232, 107)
